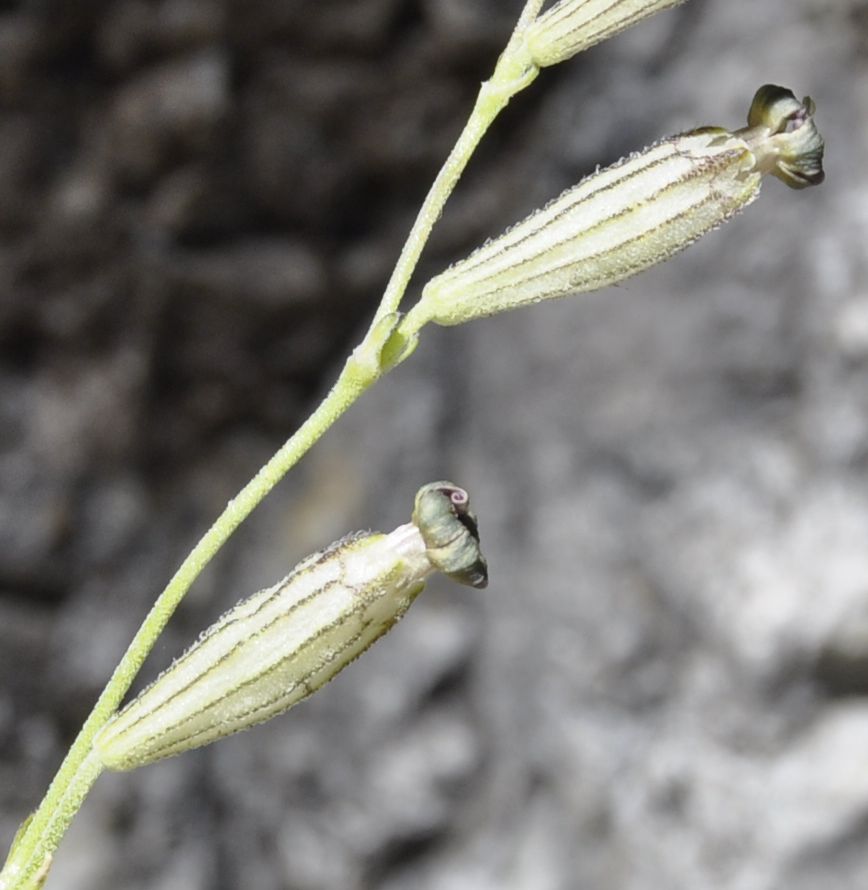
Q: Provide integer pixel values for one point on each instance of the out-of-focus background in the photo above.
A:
(664, 685)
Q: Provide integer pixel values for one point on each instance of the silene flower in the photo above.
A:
(632, 215)
(282, 644)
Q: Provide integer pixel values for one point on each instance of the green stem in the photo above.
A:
(382, 348)
(50, 821)
(31, 855)
(514, 71)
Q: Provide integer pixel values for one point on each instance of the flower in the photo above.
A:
(632, 215)
(282, 644)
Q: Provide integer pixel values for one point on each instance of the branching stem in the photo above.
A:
(383, 347)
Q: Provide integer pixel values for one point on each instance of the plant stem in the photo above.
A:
(514, 71)
(377, 354)
(30, 859)
(49, 822)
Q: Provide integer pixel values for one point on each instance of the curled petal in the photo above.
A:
(782, 133)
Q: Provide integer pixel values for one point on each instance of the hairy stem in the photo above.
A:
(50, 821)
(382, 348)
(514, 71)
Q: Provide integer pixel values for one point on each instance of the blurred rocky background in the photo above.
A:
(666, 683)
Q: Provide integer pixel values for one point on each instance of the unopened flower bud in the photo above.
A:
(572, 26)
(282, 644)
(632, 215)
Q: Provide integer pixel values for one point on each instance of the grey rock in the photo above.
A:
(663, 685)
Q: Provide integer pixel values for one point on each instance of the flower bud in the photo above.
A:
(632, 215)
(282, 644)
(572, 26)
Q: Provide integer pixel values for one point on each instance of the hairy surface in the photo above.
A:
(664, 684)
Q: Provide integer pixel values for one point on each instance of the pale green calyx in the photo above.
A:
(572, 26)
(282, 644)
(629, 216)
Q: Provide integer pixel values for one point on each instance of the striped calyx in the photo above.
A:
(572, 26)
(631, 215)
(282, 644)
